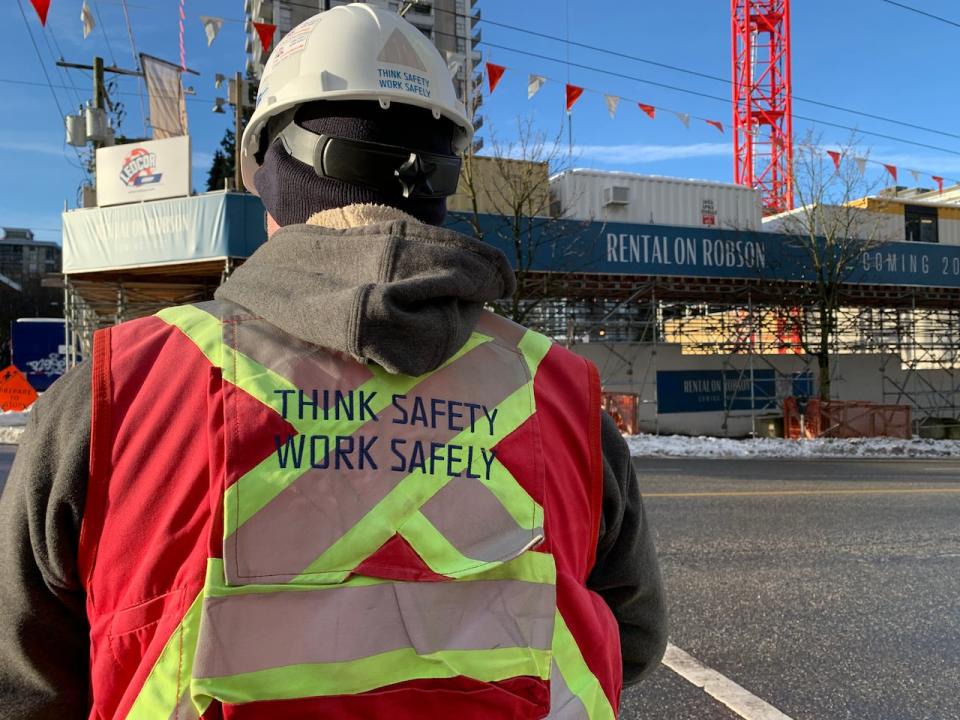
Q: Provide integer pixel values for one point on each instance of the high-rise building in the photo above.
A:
(450, 24)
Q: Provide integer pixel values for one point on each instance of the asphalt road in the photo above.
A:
(830, 589)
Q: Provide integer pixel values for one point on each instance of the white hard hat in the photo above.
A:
(353, 52)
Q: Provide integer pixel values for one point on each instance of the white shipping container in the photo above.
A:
(652, 199)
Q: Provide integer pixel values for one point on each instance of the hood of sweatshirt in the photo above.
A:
(375, 283)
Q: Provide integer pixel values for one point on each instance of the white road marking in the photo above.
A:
(741, 701)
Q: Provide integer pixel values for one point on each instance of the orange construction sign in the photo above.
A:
(15, 392)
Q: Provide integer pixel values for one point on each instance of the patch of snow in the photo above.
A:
(10, 434)
(711, 447)
(12, 425)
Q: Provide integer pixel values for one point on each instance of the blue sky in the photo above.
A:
(863, 54)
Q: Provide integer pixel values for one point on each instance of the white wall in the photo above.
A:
(632, 368)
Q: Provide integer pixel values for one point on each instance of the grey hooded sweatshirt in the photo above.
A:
(366, 280)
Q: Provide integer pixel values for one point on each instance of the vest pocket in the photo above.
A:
(134, 628)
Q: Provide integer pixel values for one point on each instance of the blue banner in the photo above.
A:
(663, 251)
(687, 391)
(39, 350)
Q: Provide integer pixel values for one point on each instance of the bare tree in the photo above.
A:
(505, 198)
(838, 219)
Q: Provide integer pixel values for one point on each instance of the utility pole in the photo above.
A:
(99, 85)
(238, 132)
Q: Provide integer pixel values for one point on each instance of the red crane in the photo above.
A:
(762, 105)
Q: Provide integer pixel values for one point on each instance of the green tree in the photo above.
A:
(222, 167)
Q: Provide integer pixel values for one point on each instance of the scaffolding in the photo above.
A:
(99, 300)
(917, 347)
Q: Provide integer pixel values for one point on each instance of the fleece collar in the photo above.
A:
(373, 282)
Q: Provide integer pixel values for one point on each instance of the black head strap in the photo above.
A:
(388, 168)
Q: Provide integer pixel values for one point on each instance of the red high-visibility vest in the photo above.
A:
(276, 530)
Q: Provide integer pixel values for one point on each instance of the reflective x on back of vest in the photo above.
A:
(370, 535)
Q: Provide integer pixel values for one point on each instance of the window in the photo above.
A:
(284, 19)
(920, 223)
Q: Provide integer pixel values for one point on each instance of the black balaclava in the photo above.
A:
(292, 192)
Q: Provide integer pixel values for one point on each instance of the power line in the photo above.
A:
(708, 96)
(707, 76)
(687, 71)
(46, 75)
(922, 12)
(103, 31)
(136, 62)
(189, 98)
(47, 34)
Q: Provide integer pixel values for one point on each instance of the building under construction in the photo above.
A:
(711, 319)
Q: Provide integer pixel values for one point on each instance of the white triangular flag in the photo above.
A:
(534, 83)
(87, 18)
(861, 164)
(684, 118)
(612, 102)
(916, 176)
(211, 26)
(455, 61)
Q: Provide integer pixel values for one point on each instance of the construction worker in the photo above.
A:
(342, 489)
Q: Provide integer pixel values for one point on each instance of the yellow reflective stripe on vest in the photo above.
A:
(280, 644)
(577, 678)
(507, 601)
(266, 481)
(358, 676)
(167, 688)
(396, 511)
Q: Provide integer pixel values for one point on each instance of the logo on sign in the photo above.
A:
(708, 213)
(140, 168)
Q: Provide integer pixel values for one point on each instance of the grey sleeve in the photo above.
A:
(626, 574)
(44, 635)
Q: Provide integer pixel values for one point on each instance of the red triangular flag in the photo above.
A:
(265, 31)
(892, 169)
(649, 110)
(41, 6)
(716, 123)
(573, 94)
(494, 73)
(938, 181)
(835, 156)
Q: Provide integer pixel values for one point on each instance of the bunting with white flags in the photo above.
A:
(86, 17)
(454, 60)
(573, 93)
(211, 26)
(534, 83)
(612, 102)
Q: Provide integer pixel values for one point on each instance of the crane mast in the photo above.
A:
(762, 104)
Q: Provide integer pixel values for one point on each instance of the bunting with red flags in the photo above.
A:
(939, 181)
(42, 7)
(494, 73)
(650, 110)
(715, 123)
(265, 31)
(835, 156)
(573, 94)
(892, 169)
